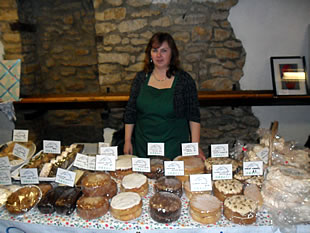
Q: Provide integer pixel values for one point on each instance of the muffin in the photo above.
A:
(165, 207)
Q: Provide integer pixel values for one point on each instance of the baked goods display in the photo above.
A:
(209, 162)
(192, 165)
(253, 192)
(45, 188)
(239, 176)
(98, 184)
(135, 182)
(240, 209)
(169, 184)
(226, 188)
(205, 208)
(4, 194)
(189, 194)
(123, 166)
(165, 207)
(7, 150)
(126, 206)
(23, 199)
(92, 207)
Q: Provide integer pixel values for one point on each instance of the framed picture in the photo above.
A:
(289, 76)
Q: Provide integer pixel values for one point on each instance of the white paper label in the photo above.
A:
(20, 135)
(109, 151)
(5, 163)
(20, 151)
(65, 177)
(52, 147)
(189, 149)
(141, 165)
(102, 144)
(91, 163)
(105, 163)
(174, 168)
(81, 161)
(222, 172)
(200, 182)
(156, 148)
(253, 168)
(263, 155)
(219, 150)
(5, 177)
(29, 176)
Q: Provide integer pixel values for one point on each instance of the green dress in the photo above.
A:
(156, 121)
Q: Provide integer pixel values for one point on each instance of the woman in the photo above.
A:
(163, 104)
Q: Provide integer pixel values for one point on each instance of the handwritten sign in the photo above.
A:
(190, 149)
(253, 168)
(105, 163)
(29, 176)
(20, 151)
(65, 177)
(141, 165)
(20, 135)
(52, 147)
(174, 168)
(200, 182)
(156, 148)
(219, 150)
(222, 172)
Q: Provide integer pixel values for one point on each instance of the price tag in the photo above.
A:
(156, 148)
(65, 177)
(102, 144)
(219, 150)
(5, 177)
(5, 163)
(105, 163)
(29, 176)
(253, 168)
(190, 149)
(20, 135)
(174, 168)
(200, 182)
(109, 151)
(20, 151)
(52, 147)
(141, 165)
(91, 163)
(81, 161)
(263, 154)
(222, 172)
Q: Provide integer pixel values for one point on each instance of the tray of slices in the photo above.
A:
(8, 148)
(48, 163)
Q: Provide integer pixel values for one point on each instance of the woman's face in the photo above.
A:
(161, 56)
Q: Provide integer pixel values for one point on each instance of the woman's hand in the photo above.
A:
(201, 154)
(128, 148)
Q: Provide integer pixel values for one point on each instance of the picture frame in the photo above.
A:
(289, 76)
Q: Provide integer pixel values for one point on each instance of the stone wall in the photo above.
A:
(87, 46)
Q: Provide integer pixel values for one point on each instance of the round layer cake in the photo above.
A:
(190, 193)
(240, 210)
(123, 166)
(225, 188)
(165, 207)
(205, 208)
(135, 182)
(126, 206)
(23, 199)
(192, 165)
(168, 184)
(209, 162)
(92, 207)
(96, 184)
(157, 167)
(239, 176)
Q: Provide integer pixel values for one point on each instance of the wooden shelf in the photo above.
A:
(206, 98)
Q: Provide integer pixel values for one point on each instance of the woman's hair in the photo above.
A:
(155, 42)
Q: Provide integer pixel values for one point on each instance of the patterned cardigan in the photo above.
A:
(185, 102)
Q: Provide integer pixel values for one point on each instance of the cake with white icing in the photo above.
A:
(126, 206)
(135, 182)
(123, 166)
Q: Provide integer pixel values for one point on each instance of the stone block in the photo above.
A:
(132, 25)
(221, 34)
(111, 14)
(114, 2)
(223, 53)
(109, 79)
(112, 39)
(128, 49)
(8, 15)
(218, 84)
(182, 36)
(191, 19)
(216, 70)
(12, 37)
(138, 3)
(138, 41)
(120, 58)
(107, 68)
(103, 28)
(136, 67)
(145, 13)
(82, 52)
(161, 22)
(30, 68)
